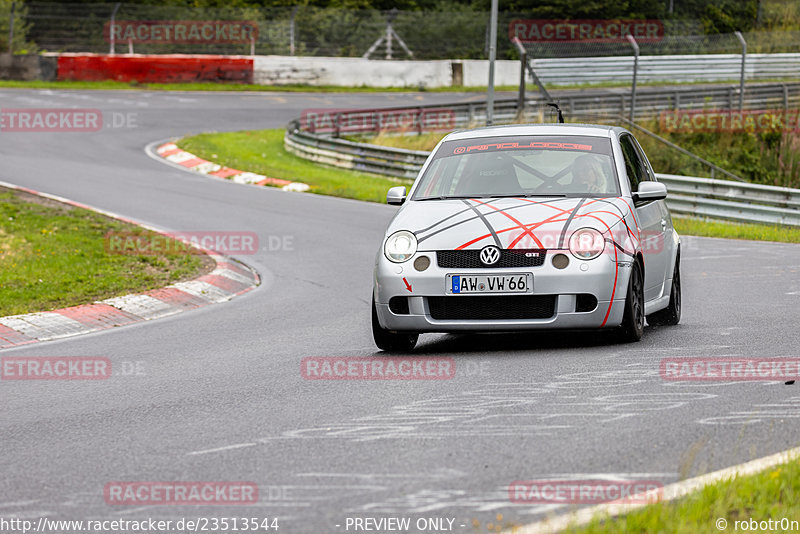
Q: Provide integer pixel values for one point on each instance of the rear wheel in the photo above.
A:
(388, 340)
(632, 326)
(671, 315)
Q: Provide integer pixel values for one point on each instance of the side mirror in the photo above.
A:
(649, 191)
(396, 195)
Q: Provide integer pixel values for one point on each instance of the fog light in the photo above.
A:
(422, 263)
(560, 261)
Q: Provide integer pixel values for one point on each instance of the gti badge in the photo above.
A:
(490, 255)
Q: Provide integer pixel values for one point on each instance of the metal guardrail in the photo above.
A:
(679, 68)
(651, 101)
(717, 199)
(733, 201)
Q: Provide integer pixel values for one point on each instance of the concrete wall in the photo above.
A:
(167, 68)
(354, 72)
(27, 67)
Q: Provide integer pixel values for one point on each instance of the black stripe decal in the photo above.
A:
(489, 226)
(569, 220)
(521, 205)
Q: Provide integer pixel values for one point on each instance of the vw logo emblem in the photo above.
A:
(490, 255)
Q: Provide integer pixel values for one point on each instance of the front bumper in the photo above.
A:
(603, 277)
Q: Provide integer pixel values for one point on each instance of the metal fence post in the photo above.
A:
(11, 29)
(291, 30)
(741, 76)
(111, 29)
(492, 53)
(523, 59)
(635, 72)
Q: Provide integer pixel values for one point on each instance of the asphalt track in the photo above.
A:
(220, 397)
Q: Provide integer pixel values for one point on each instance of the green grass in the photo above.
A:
(732, 230)
(262, 152)
(53, 256)
(771, 494)
(424, 141)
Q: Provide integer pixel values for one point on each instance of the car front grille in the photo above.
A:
(492, 307)
(509, 258)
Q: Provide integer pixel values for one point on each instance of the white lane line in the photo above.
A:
(220, 449)
(17, 503)
(670, 492)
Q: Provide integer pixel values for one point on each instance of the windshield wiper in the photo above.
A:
(529, 195)
(447, 197)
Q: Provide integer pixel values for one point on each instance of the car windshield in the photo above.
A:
(520, 166)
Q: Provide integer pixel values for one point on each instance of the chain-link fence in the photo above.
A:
(312, 31)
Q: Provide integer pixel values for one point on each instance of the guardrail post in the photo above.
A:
(420, 118)
(523, 64)
(291, 29)
(492, 53)
(785, 97)
(11, 28)
(635, 46)
(741, 76)
(111, 29)
(338, 124)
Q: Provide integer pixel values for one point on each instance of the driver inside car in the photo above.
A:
(587, 172)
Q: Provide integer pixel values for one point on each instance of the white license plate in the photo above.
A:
(460, 284)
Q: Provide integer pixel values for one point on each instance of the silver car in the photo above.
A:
(528, 227)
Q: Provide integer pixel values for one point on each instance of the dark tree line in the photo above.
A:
(716, 16)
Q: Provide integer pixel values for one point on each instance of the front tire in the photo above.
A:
(389, 341)
(671, 315)
(632, 326)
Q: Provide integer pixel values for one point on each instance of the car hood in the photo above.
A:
(521, 223)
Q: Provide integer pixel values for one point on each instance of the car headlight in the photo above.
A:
(586, 243)
(400, 246)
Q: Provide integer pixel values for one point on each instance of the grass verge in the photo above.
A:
(53, 255)
(772, 494)
(262, 152)
(732, 230)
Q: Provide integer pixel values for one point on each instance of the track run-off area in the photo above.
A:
(219, 396)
